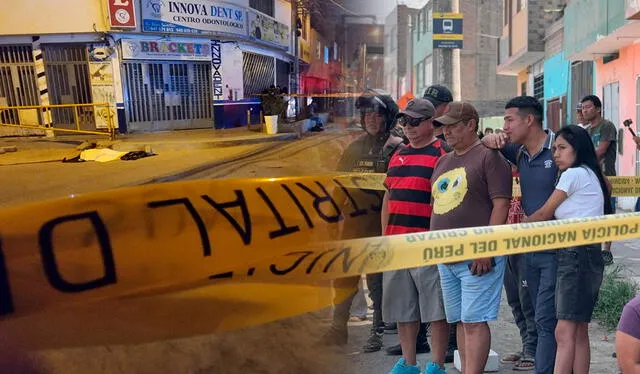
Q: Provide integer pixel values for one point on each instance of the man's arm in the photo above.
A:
(501, 142)
(608, 134)
(497, 173)
(602, 149)
(628, 353)
(384, 215)
(499, 215)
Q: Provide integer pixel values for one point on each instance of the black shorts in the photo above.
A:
(579, 276)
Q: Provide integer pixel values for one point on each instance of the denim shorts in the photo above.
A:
(470, 298)
(580, 271)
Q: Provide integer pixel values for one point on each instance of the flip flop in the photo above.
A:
(511, 358)
(529, 362)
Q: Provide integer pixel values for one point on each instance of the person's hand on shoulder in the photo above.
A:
(495, 141)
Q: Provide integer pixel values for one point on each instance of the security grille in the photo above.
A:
(167, 95)
(68, 81)
(259, 72)
(18, 84)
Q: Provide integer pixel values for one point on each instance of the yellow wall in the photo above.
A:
(519, 32)
(34, 17)
(522, 78)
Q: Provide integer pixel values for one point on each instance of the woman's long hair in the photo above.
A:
(582, 145)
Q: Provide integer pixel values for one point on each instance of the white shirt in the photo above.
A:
(585, 126)
(585, 197)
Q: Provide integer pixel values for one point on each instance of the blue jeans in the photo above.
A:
(637, 205)
(470, 298)
(541, 282)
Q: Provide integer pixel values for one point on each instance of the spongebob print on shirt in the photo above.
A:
(449, 190)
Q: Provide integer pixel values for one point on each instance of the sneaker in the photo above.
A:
(374, 343)
(433, 368)
(607, 257)
(401, 367)
(422, 346)
(390, 328)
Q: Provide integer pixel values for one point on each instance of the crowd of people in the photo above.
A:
(443, 173)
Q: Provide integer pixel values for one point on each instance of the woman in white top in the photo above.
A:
(581, 191)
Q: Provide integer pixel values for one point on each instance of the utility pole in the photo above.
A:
(296, 52)
(455, 61)
(448, 60)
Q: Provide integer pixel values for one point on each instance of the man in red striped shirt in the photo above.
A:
(414, 295)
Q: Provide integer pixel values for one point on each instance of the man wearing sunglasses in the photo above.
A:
(368, 154)
(411, 296)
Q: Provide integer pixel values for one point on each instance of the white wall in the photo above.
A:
(34, 17)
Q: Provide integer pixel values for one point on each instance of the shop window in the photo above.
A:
(265, 6)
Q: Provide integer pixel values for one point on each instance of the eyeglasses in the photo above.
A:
(413, 122)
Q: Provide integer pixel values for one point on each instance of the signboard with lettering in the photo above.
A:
(122, 14)
(267, 29)
(193, 17)
(160, 49)
(447, 30)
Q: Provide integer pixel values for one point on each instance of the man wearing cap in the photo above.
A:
(471, 188)
(414, 295)
(440, 96)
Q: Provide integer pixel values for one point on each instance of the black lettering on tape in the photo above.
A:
(202, 229)
(357, 211)
(378, 194)
(304, 213)
(284, 229)
(291, 268)
(634, 229)
(47, 252)
(347, 260)
(240, 202)
(227, 275)
(315, 260)
(319, 200)
(6, 301)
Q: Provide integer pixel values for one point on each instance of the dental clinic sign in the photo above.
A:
(193, 17)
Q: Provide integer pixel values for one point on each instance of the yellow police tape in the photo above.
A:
(174, 260)
(621, 186)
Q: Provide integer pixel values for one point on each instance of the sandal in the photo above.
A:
(511, 358)
(525, 364)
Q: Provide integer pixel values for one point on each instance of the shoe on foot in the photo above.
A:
(422, 346)
(433, 368)
(401, 367)
(374, 343)
(607, 257)
(390, 328)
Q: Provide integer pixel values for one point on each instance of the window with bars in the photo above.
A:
(538, 86)
(265, 6)
(419, 25)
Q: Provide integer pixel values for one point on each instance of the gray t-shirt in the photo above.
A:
(463, 187)
(606, 132)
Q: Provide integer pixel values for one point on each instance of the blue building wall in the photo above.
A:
(557, 72)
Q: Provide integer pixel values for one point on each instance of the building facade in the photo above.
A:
(480, 83)
(162, 65)
(610, 44)
(398, 53)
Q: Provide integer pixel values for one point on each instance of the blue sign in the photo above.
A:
(447, 31)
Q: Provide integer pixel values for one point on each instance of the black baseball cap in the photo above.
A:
(438, 94)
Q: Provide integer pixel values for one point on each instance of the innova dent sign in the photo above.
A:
(193, 17)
